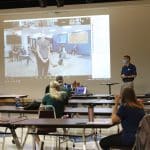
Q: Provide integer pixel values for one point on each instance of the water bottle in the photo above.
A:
(18, 103)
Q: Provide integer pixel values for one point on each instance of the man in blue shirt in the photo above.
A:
(128, 73)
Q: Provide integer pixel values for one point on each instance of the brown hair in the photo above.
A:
(59, 79)
(128, 98)
(127, 56)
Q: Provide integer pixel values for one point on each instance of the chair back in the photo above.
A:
(143, 134)
(47, 111)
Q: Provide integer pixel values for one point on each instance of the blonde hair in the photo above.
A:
(54, 90)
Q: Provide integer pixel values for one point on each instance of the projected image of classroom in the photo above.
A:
(67, 46)
(48, 47)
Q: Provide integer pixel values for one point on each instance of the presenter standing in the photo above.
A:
(43, 54)
(128, 73)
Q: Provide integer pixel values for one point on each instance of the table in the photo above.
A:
(4, 123)
(60, 123)
(98, 101)
(142, 96)
(147, 109)
(69, 110)
(14, 109)
(66, 123)
(7, 123)
(145, 102)
(91, 101)
(11, 98)
(107, 96)
(84, 111)
(109, 84)
(92, 96)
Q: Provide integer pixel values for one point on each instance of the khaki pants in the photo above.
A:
(126, 85)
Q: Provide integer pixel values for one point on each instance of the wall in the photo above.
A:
(129, 34)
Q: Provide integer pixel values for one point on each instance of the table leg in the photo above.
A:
(84, 139)
(25, 138)
(109, 89)
(3, 145)
(95, 139)
(34, 143)
(41, 145)
(15, 138)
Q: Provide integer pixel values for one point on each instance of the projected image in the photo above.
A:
(69, 46)
(48, 47)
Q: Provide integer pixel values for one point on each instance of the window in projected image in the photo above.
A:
(68, 46)
(62, 38)
(78, 37)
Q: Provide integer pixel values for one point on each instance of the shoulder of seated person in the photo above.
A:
(47, 95)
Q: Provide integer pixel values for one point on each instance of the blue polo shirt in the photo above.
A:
(130, 118)
(128, 71)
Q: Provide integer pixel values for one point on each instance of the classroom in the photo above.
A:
(74, 74)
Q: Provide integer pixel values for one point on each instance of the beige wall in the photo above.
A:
(129, 34)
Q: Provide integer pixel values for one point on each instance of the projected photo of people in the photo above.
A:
(48, 47)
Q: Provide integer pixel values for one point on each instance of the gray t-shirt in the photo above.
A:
(43, 47)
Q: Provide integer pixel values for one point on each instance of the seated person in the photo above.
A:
(56, 98)
(60, 80)
(129, 114)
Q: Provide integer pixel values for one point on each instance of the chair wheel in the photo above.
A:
(13, 141)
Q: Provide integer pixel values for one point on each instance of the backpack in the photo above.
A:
(33, 105)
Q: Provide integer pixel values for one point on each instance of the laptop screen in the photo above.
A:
(81, 90)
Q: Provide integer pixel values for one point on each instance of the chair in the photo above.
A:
(65, 136)
(46, 111)
(142, 141)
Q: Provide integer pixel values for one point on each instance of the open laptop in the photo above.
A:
(80, 90)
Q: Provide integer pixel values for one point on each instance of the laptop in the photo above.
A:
(80, 90)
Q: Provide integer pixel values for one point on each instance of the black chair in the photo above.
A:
(46, 111)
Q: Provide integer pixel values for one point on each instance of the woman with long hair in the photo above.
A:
(129, 114)
(55, 98)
